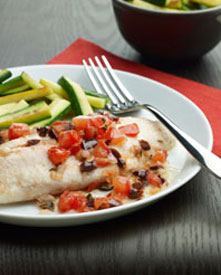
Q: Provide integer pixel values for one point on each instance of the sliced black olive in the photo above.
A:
(52, 134)
(88, 166)
(144, 145)
(134, 194)
(32, 142)
(42, 131)
(90, 200)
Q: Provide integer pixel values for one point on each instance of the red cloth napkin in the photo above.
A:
(208, 99)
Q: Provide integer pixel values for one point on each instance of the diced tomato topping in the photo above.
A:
(75, 148)
(90, 132)
(18, 130)
(92, 186)
(58, 155)
(69, 138)
(121, 185)
(97, 121)
(72, 200)
(130, 130)
(102, 162)
(101, 203)
(101, 150)
(154, 180)
(114, 137)
(60, 126)
(160, 156)
(80, 122)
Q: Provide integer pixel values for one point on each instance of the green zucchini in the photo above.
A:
(11, 84)
(94, 94)
(27, 115)
(16, 90)
(27, 95)
(57, 89)
(210, 3)
(162, 3)
(4, 74)
(12, 107)
(77, 96)
(58, 109)
(96, 102)
(30, 81)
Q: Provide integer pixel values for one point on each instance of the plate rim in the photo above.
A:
(131, 206)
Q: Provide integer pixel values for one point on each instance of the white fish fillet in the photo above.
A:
(25, 171)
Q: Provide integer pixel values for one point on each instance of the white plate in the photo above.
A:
(177, 107)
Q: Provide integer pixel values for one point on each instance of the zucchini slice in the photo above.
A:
(16, 90)
(96, 102)
(58, 109)
(11, 84)
(210, 3)
(162, 3)
(94, 94)
(4, 74)
(57, 89)
(12, 107)
(79, 102)
(28, 95)
(27, 115)
(30, 81)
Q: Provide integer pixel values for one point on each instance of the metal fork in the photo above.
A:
(106, 81)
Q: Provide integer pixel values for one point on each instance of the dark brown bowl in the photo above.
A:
(169, 35)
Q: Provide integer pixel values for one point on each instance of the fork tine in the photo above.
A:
(94, 82)
(126, 93)
(110, 82)
(103, 84)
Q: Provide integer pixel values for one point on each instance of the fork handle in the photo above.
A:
(205, 158)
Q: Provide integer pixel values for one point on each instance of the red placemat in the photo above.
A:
(208, 99)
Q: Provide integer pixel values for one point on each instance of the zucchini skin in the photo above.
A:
(27, 95)
(11, 84)
(59, 108)
(78, 99)
(4, 74)
(27, 115)
(16, 90)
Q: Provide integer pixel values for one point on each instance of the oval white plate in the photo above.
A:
(177, 107)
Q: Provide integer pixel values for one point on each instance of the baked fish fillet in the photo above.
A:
(26, 173)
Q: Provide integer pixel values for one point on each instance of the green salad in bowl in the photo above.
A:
(175, 5)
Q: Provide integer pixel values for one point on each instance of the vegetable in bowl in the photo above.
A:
(175, 5)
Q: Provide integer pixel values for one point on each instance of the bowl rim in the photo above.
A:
(141, 9)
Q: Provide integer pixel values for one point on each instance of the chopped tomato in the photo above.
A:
(90, 132)
(130, 130)
(80, 122)
(101, 203)
(60, 126)
(102, 162)
(101, 150)
(18, 130)
(92, 186)
(58, 155)
(160, 156)
(75, 148)
(98, 121)
(72, 200)
(68, 138)
(101, 124)
(121, 185)
(114, 137)
(154, 180)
